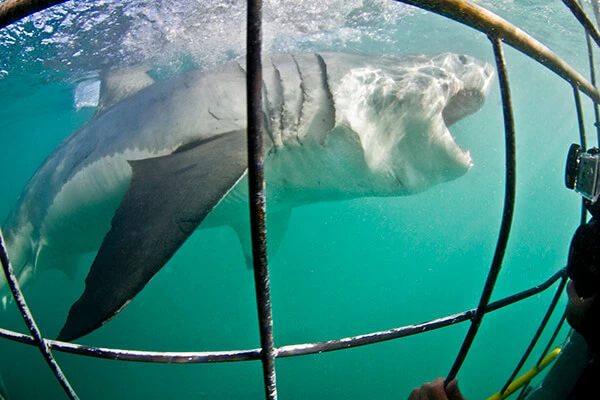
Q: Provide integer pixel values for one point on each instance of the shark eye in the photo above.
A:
(463, 59)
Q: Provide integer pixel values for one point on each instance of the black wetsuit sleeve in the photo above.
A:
(588, 384)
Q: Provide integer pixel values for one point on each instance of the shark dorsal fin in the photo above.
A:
(119, 84)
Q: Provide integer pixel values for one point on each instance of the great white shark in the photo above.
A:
(159, 157)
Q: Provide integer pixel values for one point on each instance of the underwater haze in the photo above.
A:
(344, 268)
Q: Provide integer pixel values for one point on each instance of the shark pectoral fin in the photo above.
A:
(167, 199)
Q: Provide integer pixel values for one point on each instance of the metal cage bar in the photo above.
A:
(489, 23)
(590, 31)
(593, 81)
(580, 119)
(583, 19)
(12, 11)
(552, 338)
(538, 365)
(538, 333)
(37, 337)
(256, 195)
(507, 214)
(498, 28)
(283, 351)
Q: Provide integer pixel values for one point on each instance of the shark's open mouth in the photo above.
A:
(469, 99)
(462, 104)
(476, 77)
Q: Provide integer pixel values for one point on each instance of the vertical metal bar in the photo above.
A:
(593, 81)
(596, 8)
(257, 197)
(538, 333)
(582, 140)
(527, 388)
(583, 19)
(552, 339)
(580, 122)
(507, 217)
(30, 322)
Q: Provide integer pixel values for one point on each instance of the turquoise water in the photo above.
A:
(344, 268)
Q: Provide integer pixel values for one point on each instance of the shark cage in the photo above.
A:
(499, 32)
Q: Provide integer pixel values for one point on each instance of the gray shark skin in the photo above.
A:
(137, 179)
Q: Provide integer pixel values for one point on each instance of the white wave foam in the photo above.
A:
(85, 35)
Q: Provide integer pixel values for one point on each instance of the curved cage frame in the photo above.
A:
(499, 32)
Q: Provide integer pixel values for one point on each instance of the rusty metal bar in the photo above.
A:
(256, 194)
(13, 10)
(592, 66)
(580, 119)
(507, 215)
(489, 23)
(37, 338)
(583, 19)
(593, 80)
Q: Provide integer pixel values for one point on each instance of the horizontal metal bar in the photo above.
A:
(137, 355)
(492, 25)
(284, 351)
(355, 341)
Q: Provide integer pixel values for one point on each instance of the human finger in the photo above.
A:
(453, 392)
(430, 391)
(437, 390)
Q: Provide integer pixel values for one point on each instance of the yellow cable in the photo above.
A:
(527, 376)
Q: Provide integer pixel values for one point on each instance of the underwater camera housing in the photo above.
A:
(582, 172)
(583, 176)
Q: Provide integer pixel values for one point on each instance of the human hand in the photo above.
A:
(435, 391)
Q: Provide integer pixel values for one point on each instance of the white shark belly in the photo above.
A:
(79, 217)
